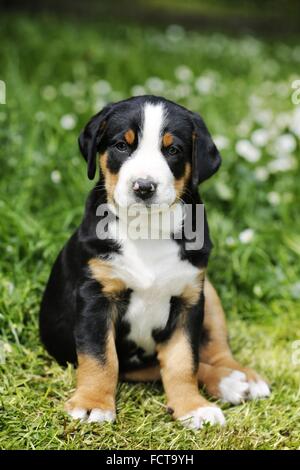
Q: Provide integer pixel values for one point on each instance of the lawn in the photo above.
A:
(57, 74)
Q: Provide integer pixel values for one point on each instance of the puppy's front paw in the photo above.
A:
(95, 415)
(205, 414)
(87, 411)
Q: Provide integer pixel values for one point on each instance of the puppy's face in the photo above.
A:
(147, 154)
(149, 151)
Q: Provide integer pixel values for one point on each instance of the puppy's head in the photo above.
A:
(150, 151)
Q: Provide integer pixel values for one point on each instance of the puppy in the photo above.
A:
(141, 308)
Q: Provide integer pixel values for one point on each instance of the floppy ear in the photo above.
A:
(205, 157)
(90, 139)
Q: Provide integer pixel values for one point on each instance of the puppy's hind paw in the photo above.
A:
(205, 414)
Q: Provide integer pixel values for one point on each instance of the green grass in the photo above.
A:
(52, 68)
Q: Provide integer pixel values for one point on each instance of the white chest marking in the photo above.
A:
(154, 271)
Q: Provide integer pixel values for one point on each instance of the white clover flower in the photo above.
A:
(183, 73)
(230, 241)
(244, 128)
(40, 116)
(270, 67)
(38, 157)
(221, 142)
(267, 88)
(55, 176)
(155, 85)
(263, 117)
(49, 93)
(246, 236)
(283, 120)
(247, 150)
(10, 287)
(68, 121)
(101, 87)
(182, 90)
(224, 191)
(283, 163)
(138, 90)
(260, 137)
(99, 104)
(204, 84)
(66, 89)
(255, 101)
(257, 290)
(295, 290)
(175, 33)
(296, 53)
(282, 89)
(261, 173)
(295, 122)
(274, 198)
(285, 144)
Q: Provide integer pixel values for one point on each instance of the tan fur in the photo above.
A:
(102, 272)
(217, 361)
(178, 376)
(191, 293)
(167, 139)
(217, 351)
(129, 136)
(180, 183)
(96, 381)
(148, 374)
(111, 179)
(208, 376)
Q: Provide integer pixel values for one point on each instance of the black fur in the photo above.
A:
(75, 315)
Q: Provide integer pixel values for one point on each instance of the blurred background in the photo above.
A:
(265, 16)
(238, 64)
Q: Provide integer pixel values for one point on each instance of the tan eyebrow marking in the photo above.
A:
(129, 136)
(167, 139)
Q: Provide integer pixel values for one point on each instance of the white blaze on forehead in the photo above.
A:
(147, 161)
(153, 123)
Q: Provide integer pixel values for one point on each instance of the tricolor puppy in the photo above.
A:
(141, 308)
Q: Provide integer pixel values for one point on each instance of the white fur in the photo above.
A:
(258, 389)
(234, 388)
(154, 271)
(206, 414)
(78, 413)
(151, 267)
(101, 416)
(96, 415)
(147, 161)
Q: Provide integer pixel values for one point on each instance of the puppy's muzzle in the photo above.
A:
(144, 188)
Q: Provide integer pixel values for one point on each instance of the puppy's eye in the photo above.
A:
(121, 146)
(172, 150)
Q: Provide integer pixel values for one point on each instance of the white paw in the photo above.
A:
(258, 389)
(206, 414)
(234, 388)
(96, 415)
(78, 413)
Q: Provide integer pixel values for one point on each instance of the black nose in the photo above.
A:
(144, 188)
